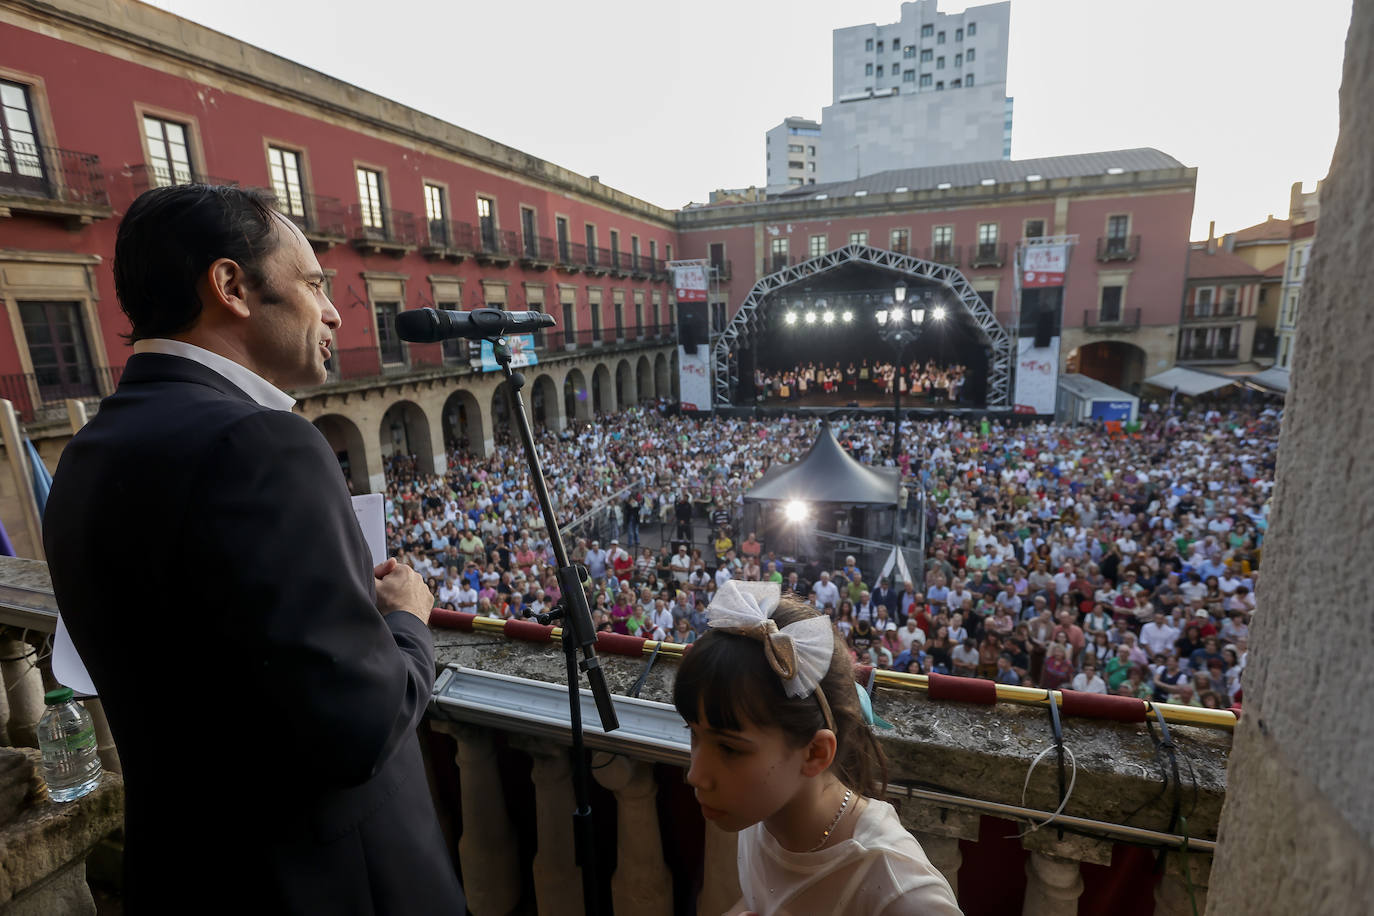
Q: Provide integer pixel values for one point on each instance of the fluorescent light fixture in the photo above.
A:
(902, 190)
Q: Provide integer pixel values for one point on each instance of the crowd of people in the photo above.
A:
(1069, 557)
(935, 383)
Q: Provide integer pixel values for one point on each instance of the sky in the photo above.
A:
(667, 101)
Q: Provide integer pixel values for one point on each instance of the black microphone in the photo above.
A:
(434, 325)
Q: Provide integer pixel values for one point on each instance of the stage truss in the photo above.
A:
(749, 318)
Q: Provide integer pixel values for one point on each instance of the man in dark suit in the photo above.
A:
(268, 740)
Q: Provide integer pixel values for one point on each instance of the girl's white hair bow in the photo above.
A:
(800, 652)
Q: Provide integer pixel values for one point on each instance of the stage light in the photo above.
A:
(795, 510)
(897, 316)
(790, 318)
(899, 291)
(810, 317)
(847, 315)
(881, 316)
(828, 316)
(938, 313)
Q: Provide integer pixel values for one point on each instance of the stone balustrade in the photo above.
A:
(972, 759)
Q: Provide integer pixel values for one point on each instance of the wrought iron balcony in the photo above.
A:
(722, 268)
(988, 254)
(598, 261)
(383, 230)
(40, 397)
(571, 256)
(445, 240)
(1118, 248)
(1209, 354)
(498, 247)
(944, 254)
(44, 180)
(1210, 311)
(640, 266)
(537, 252)
(322, 220)
(1117, 319)
(620, 263)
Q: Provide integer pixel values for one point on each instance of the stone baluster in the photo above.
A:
(557, 878)
(23, 689)
(939, 831)
(1171, 893)
(487, 848)
(642, 884)
(720, 888)
(1053, 886)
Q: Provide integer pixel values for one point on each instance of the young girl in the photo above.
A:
(782, 755)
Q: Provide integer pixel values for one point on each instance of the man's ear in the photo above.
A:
(225, 285)
(819, 753)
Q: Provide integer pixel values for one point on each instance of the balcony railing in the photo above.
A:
(776, 262)
(40, 397)
(1118, 248)
(497, 246)
(722, 268)
(446, 239)
(988, 254)
(353, 363)
(537, 251)
(1217, 354)
(598, 260)
(383, 230)
(156, 176)
(570, 256)
(1206, 311)
(620, 263)
(944, 254)
(45, 173)
(1117, 319)
(324, 220)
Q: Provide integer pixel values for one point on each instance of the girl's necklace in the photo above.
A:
(848, 794)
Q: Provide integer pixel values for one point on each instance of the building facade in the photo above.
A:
(102, 101)
(792, 154)
(1129, 210)
(1220, 308)
(929, 89)
(1294, 275)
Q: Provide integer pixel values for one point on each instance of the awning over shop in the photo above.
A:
(1271, 379)
(1191, 382)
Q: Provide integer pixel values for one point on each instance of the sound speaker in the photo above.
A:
(693, 325)
(1044, 327)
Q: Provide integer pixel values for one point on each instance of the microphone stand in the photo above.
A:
(578, 633)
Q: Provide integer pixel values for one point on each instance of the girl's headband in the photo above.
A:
(800, 653)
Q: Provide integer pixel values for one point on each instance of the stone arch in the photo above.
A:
(1116, 362)
(603, 390)
(626, 392)
(674, 375)
(644, 372)
(502, 415)
(577, 397)
(546, 407)
(462, 423)
(405, 430)
(663, 385)
(752, 314)
(346, 442)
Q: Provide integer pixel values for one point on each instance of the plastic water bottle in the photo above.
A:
(66, 736)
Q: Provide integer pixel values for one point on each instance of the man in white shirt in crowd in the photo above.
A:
(1158, 636)
(827, 594)
(911, 635)
(466, 599)
(865, 609)
(682, 564)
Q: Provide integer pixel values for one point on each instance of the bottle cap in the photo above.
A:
(57, 697)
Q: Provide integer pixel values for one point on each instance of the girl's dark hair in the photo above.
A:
(168, 239)
(726, 679)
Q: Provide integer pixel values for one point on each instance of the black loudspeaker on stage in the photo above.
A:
(693, 327)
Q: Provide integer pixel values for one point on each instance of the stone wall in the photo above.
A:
(1299, 821)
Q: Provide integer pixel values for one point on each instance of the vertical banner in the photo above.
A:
(1037, 376)
(690, 279)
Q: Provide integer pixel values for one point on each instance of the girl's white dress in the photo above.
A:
(862, 876)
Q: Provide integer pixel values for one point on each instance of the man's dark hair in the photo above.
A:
(168, 239)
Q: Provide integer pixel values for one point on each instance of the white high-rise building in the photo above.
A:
(927, 90)
(792, 152)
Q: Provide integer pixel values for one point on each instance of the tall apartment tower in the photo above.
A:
(792, 151)
(930, 89)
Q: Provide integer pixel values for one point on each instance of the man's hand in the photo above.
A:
(400, 588)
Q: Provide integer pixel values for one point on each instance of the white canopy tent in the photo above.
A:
(1190, 382)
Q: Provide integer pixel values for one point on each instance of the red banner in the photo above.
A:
(1044, 265)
